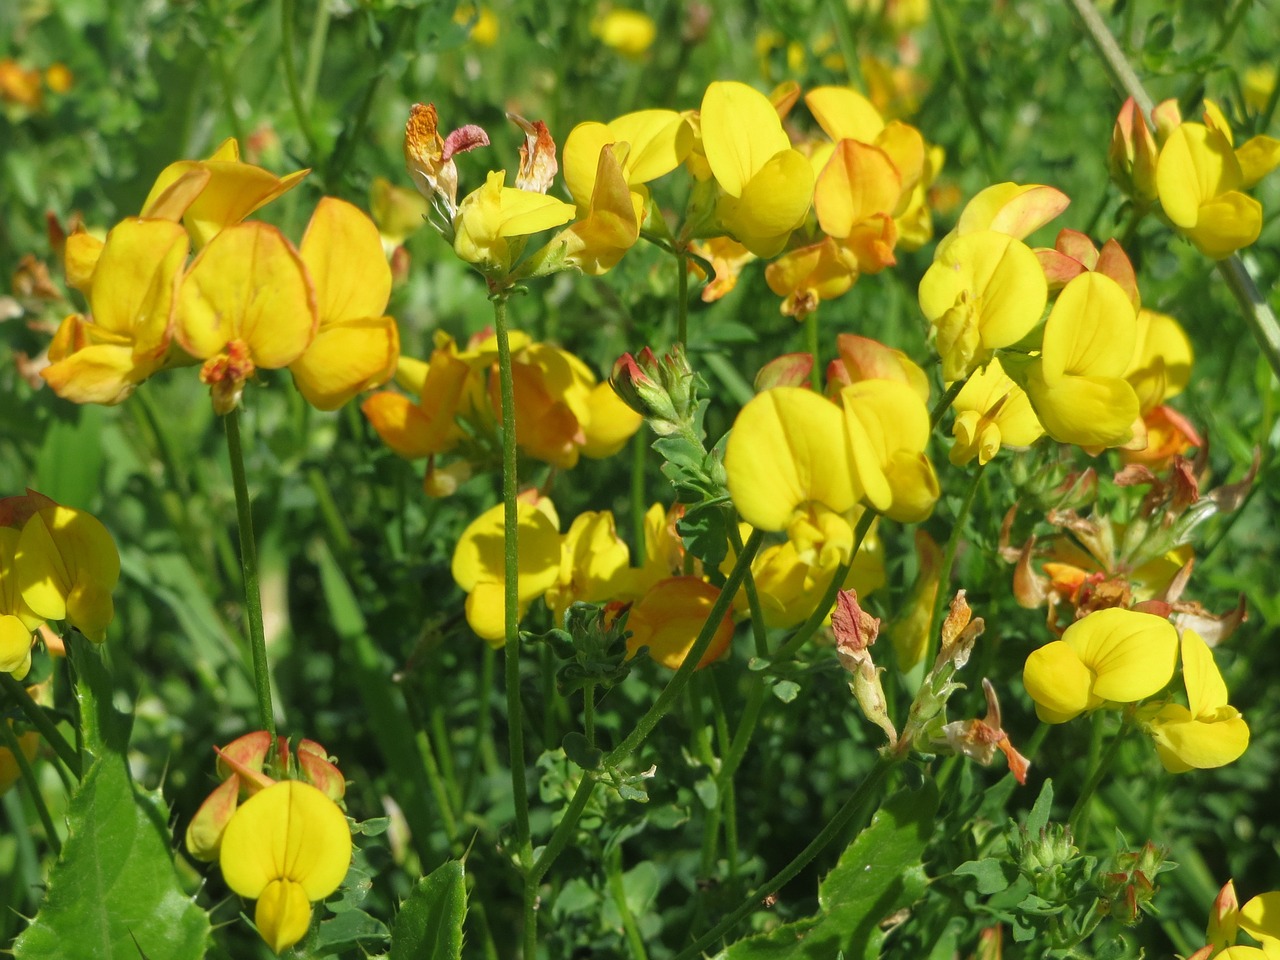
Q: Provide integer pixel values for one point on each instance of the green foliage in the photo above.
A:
(879, 874)
(114, 892)
(429, 924)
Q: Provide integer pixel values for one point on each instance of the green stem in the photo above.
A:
(682, 296)
(29, 782)
(330, 515)
(582, 796)
(41, 721)
(511, 618)
(315, 55)
(758, 631)
(944, 402)
(589, 712)
(249, 569)
(725, 792)
(943, 595)
(834, 828)
(941, 20)
(288, 11)
(618, 890)
(1100, 769)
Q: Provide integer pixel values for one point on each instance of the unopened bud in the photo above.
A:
(1224, 917)
(1131, 159)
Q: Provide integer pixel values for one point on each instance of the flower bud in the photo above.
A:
(1131, 159)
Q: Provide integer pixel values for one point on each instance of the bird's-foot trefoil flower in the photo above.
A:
(1109, 656)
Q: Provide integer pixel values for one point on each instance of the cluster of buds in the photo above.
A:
(285, 843)
(662, 390)
(1129, 886)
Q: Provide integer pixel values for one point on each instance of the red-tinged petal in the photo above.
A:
(1078, 247)
(1059, 269)
(1012, 208)
(859, 180)
(1113, 262)
(204, 832)
(406, 427)
(669, 617)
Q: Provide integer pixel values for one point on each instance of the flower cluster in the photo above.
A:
(283, 842)
(562, 411)
(248, 300)
(1196, 173)
(56, 563)
(1118, 656)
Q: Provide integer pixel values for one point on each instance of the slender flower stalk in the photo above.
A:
(249, 568)
(10, 740)
(40, 720)
(948, 560)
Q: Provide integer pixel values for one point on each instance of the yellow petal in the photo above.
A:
(404, 426)
(171, 201)
(996, 277)
(859, 180)
(1206, 690)
(1058, 682)
(248, 284)
(844, 114)
(581, 158)
(525, 212)
(1196, 164)
(1162, 358)
(1225, 224)
(669, 617)
(741, 132)
(1260, 916)
(1091, 412)
(136, 281)
(772, 204)
(1092, 330)
(1012, 208)
(67, 565)
(105, 373)
(888, 426)
(15, 645)
(660, 141)
(787, 450)
(289, 831)
(1132, 654)
(81, 257)
(346, 358)
(234, 191)
(283, 915)
(1257, 157)
(610, 425)
(343, 255)
(479, 554)
(1184, 742)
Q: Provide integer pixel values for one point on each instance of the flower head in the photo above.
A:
(1113, 655)
(286, 846)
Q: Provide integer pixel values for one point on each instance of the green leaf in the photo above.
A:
(429, 924)
(989, 874)
(1038, 818)
(114, 892)
(878, 874)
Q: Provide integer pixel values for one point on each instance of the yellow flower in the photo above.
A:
(787, 462)
(490, 217)
(1161, 363)
(479, 567)
(766, 185)
(991, 411)
(211, 195)
(1112, 655)
(132, 288)
(809, 275)
(1200, 178)
(17, 620)
(1206, 733)
(246, 302)
(445, 389)
(862, 358)
(984, 291)
(630, 32)
(355, 346)
(888, 428)
(669, 617)
(1077, 387)
(286, 846)
(67, 565)
(593, 564)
